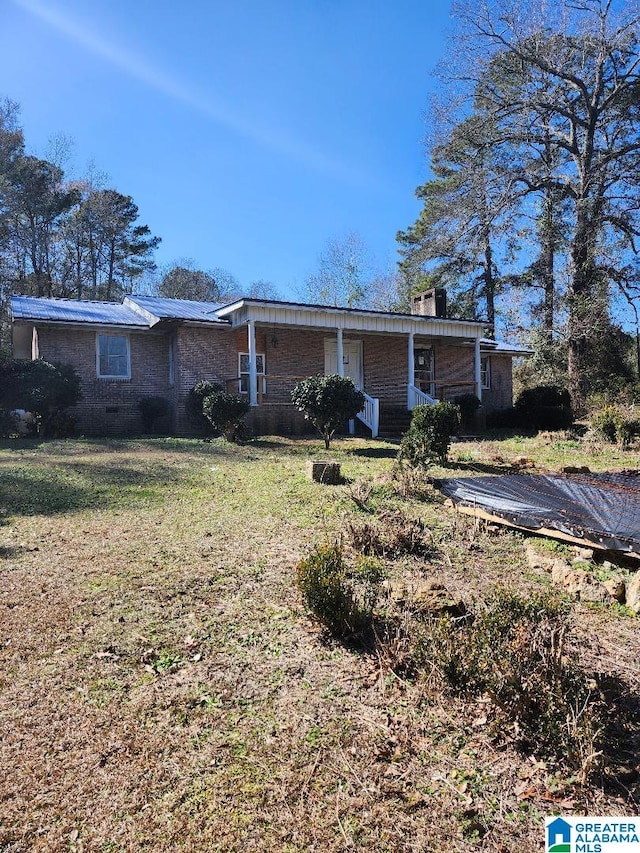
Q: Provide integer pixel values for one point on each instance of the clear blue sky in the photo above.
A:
(249, 132)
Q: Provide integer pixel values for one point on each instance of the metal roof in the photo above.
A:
(75, 311)
(164, 308)
(488, 345)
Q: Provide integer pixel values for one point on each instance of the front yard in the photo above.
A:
(163, 688)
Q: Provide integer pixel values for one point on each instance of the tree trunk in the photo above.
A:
(581, 294)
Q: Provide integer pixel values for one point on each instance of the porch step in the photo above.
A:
(394, 421)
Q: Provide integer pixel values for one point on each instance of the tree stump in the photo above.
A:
(324, 472)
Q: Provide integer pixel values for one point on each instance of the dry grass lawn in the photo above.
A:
(163, 689)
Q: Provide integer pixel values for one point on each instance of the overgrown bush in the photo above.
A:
(546, 407)
(429, 435)
(393, 534)
(340, 597)
(44, 389)
(468, 405)
(226, 413)
(194, 403)
(328, 402)
(151, 410)
(515, 653)
(613, 425)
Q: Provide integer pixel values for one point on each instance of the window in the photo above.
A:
(424, 370)
(112, 357)
(243, 372)
(485, 371)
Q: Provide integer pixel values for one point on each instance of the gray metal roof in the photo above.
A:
(75, 311)
(177, 309)
(503, 348)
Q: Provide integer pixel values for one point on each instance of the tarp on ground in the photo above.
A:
(601, 510)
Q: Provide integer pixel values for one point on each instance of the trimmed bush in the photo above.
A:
(194, 402)
(545, 407)
(152, 409)
(429, 435)
(328, 402)
(226, 413)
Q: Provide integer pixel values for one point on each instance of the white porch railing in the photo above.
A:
(416, 397)
(370, 414)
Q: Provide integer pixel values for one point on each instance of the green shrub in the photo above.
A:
(226, 413)
(46, 390)
(515, 653)
(429, 434)
(151, 410)
(545, 407)
(328, 402)
(194, 402)
(340, 597)
(468, 405)
(613, 425)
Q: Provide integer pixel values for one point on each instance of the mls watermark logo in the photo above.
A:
(592, 835)
(558, 835)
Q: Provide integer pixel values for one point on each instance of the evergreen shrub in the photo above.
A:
(429, 435)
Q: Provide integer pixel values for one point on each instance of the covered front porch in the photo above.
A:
(398, 361)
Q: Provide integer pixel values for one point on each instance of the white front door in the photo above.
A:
(351, 360)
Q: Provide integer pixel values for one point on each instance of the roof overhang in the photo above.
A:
(294, 314)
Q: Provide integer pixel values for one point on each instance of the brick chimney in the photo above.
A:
(430, 303)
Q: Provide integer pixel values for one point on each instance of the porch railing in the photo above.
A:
(442, 391)
(370, 414)
(416, 397)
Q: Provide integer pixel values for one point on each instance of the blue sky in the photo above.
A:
(249, 132)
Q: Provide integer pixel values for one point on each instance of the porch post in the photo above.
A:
(477, 374)
(253, 367)
(411, 371)
(339, 354)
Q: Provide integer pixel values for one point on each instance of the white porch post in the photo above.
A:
(411, 371)
(339, 354)
(253, 367)
(477, 373)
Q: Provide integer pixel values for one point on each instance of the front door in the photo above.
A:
(351, 360)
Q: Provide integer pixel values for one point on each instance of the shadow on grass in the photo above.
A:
(8, 551)
(375, 452)
(73, 486)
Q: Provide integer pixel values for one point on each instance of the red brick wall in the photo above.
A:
(110, 407)
(500, 395)
(386, 369)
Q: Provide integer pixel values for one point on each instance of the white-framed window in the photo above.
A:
(113, 357)
(485, 371)
(243, 372)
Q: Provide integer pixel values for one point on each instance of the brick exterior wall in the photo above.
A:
(500, 394)
(110, 407)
